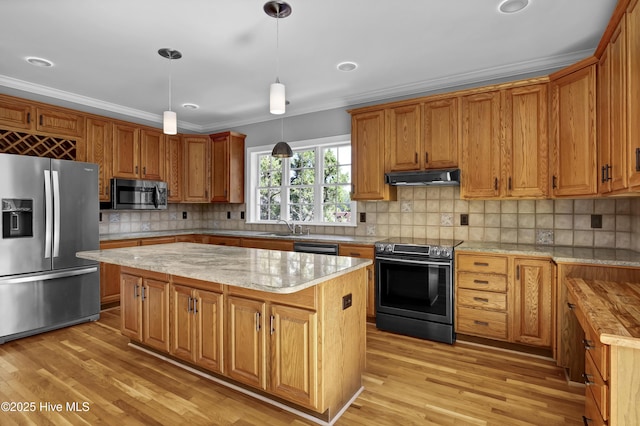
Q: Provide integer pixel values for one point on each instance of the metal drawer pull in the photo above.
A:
(481, 299)
(588, 345)
(481, 263)
(271, 325)
(258, 321)
(195, 306)
(189, 305)
(587, 379)
(586, 420)
(481, 282)
(571, 306)
(480, 323)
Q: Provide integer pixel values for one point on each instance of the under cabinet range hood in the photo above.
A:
(441, 177)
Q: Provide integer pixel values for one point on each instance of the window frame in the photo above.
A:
(252, 177)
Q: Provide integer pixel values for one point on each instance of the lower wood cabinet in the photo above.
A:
(221, 241)
(504, 297)
(366, 252)
(267, 243)
(144, 306)
(197, 323)
(110, 274)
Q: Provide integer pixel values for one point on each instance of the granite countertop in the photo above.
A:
(272, 271)
(612, 309)
(561, 254)
(246, 234)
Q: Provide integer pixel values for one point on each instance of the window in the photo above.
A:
(312, 187)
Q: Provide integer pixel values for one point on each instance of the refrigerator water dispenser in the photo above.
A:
(17, 218)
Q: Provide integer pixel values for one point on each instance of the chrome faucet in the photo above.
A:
(291, 226)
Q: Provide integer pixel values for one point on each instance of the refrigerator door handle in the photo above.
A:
(48, 276)
(56, 214)
(48, 212)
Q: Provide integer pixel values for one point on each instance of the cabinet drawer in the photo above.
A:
(482, 323)
(482, 299)
(356, 251)
(485, 282)
(598, 351)
(304, 298)
(596, 386)
(592, 416)
(486, 264)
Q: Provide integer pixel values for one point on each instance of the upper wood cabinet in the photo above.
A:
(16, 114)
(480, 139)
(368, 158)
(174, 168)
(196, 168)
(227, 167)
(138, 153)
(440, 123)
(632, 93)
(403, 145)
(573, 131)
(21, 114)
(99, 139)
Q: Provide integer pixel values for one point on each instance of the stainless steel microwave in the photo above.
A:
(132, 194)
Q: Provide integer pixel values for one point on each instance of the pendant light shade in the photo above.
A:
(169, 123)
(169, 118)
(277, 103)
(282, 149)
(277, 99)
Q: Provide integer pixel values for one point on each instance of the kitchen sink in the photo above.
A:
(278, 234)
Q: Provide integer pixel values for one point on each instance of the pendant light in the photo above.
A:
(169, 118)
(282, 149)
(277, 101)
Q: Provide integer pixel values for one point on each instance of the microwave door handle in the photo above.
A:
(156, 196)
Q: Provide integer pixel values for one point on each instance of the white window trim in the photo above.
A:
(251, 177)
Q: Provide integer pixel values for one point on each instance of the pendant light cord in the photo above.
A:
(170, 59)
(278, 44)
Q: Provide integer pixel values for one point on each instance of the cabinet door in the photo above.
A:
(110, 274)
(480, 145)
(367, 153)
(182, 323)
(100, 151)
(573, 134)
(266, 243)
(604, 121)
(618, 98)
(151, 154)
(174, 169)
(126, 152)
(222, 241)
(294, 354)
(131, 306)
(157, 240)
(633, 94)
(533, 304)
(526, 153)
(220, 169)
(440, 134)
(16, 114)
(403, 144)
(246, 358)
(209, 330)
(196, 166)
(59, 122)
(155, 314)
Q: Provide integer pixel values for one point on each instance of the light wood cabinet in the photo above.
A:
(403, 143)
(152, 154)
(196, 168)
(480, 145)
(506, 133)
(110, 274)
(16, 114)
(138, 153)
(227, 167)
(222, 241)
(502, 297)
(174, 168)
(573, 132)
(157, 240)
(368, 157)
(197, 323)
(366, 252)
(267, 243)
(440, 124)
(533, 307)
(59, 121)
(144, 306)
(100, 151)
(633, 94)
(246, 360)
(21, 114)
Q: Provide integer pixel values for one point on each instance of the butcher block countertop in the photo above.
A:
(272, 271)
(612, 309)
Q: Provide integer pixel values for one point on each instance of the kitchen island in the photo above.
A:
(285, 327)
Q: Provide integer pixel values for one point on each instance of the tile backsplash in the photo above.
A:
(431, 212)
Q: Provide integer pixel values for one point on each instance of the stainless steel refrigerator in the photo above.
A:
(50, 211)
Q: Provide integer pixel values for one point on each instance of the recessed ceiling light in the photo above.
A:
(39, 62)
(190, 106)
(512, 6)
(347, 66)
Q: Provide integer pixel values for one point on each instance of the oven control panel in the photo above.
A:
(432, 251)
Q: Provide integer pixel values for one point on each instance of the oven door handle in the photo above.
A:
(415, 262)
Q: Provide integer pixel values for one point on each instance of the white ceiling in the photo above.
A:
(106, 60)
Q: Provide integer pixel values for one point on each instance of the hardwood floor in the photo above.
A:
(408, 381)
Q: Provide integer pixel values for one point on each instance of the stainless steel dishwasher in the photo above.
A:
(316, 248)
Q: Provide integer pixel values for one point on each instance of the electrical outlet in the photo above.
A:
(184, 215)
(347, 301)
(363, 217)
(464, 219)
(242, 215)
(596, 221)
(228, 215)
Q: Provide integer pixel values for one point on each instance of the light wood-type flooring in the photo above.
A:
(407, 382)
